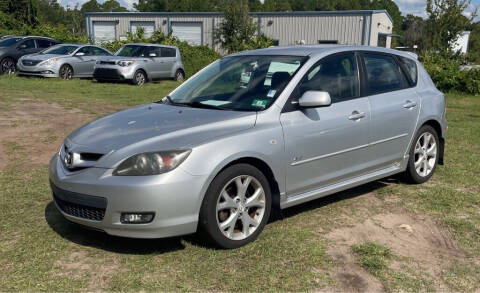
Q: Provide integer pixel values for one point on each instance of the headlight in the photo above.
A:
(153, 163)
(125, 63)
(48, 62)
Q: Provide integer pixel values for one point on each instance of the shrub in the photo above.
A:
(446, 73)
(194, 58)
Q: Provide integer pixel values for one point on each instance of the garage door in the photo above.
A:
(103, 31)
(148, 27)
(188, 31)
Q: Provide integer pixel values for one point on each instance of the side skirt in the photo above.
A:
(343, 185)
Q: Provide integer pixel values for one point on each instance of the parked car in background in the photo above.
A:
(12, 48)
(139, 63)
(262, 129)
(65, 60)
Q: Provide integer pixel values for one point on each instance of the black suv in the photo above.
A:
(12, 48)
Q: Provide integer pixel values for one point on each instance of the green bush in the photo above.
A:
(194, 58)
(447, 75)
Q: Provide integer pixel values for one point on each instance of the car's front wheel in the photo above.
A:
(7, 66)
(139, 78)
(66, 72)
(236, 206)
(424, 154)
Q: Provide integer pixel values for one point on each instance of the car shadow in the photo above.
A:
(87, 237)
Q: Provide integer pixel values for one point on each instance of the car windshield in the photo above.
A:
(131, 51)
(61, 50)
(242, 83)
(9, 41)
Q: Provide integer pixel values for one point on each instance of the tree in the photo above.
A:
(445, 22)
(112, 6)
(238, 31)
(413, 28)
(24, 11)
(91, 6)
(474, 43)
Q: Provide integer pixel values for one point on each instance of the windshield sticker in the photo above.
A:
(259, 103)
(271, 93)
(215, 102)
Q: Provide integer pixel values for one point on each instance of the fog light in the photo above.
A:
(136, 218)
(47, 72)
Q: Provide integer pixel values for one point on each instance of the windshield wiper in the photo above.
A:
(171, 102)
(205, 106)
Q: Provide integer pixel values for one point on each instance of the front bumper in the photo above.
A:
(113, 72)
(42, 71)
(93, 197)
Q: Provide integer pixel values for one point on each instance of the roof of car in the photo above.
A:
(152, 45)
(312, 50)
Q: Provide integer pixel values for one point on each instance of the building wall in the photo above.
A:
(381, 24)
(355, 28)
(290, 29)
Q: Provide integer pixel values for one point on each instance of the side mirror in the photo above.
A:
(80, 54)
(313, 99)
(152, 55)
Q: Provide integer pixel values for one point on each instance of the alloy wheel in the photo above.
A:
(66, 72)
(240, 207)
(425, 153)
(140, 78)
(8, 67)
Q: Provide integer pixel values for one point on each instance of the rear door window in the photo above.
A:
(43, 44)
(30, 44)
(383, 73)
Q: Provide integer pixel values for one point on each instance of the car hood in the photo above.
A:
(158, 127)
(42, 57)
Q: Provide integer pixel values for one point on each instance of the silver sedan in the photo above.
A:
(66, 61)
(256, 131)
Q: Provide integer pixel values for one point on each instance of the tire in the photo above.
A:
(224, 209)
(424, 154)
(7, 66)
(66, 72)
(179, 75)
(139, 78)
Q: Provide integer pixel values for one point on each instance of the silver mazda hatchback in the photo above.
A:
(256, 131)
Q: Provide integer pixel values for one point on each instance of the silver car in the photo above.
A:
(66, 61)
(139, 63)
(260, 130)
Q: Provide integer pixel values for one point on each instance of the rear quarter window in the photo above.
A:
(410, 68)
(169, 52)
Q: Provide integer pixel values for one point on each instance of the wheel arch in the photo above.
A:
(262, 166)
(438, 128)
(142, 70)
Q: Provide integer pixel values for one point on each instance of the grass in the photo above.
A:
(40, 251)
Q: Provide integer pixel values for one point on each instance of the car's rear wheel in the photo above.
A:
(66, 72)
(139, 78)
(7, 66)
(236, 207)
(424, 154)
(179, 75)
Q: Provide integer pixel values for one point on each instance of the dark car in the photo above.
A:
(12, 48)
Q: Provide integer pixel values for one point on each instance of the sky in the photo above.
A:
(416, 7)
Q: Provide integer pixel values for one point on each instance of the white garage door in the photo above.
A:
(148, 27)
(188, 31)
(104, 31)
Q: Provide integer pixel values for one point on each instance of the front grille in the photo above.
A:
(107, 62)
(80, 205)
(107, 73)
(30, 62)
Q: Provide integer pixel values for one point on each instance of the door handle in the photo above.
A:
(356, 115)
(409, 104)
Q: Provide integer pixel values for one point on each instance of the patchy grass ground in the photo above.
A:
(383, 236)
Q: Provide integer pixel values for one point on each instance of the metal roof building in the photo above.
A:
(356, 27)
